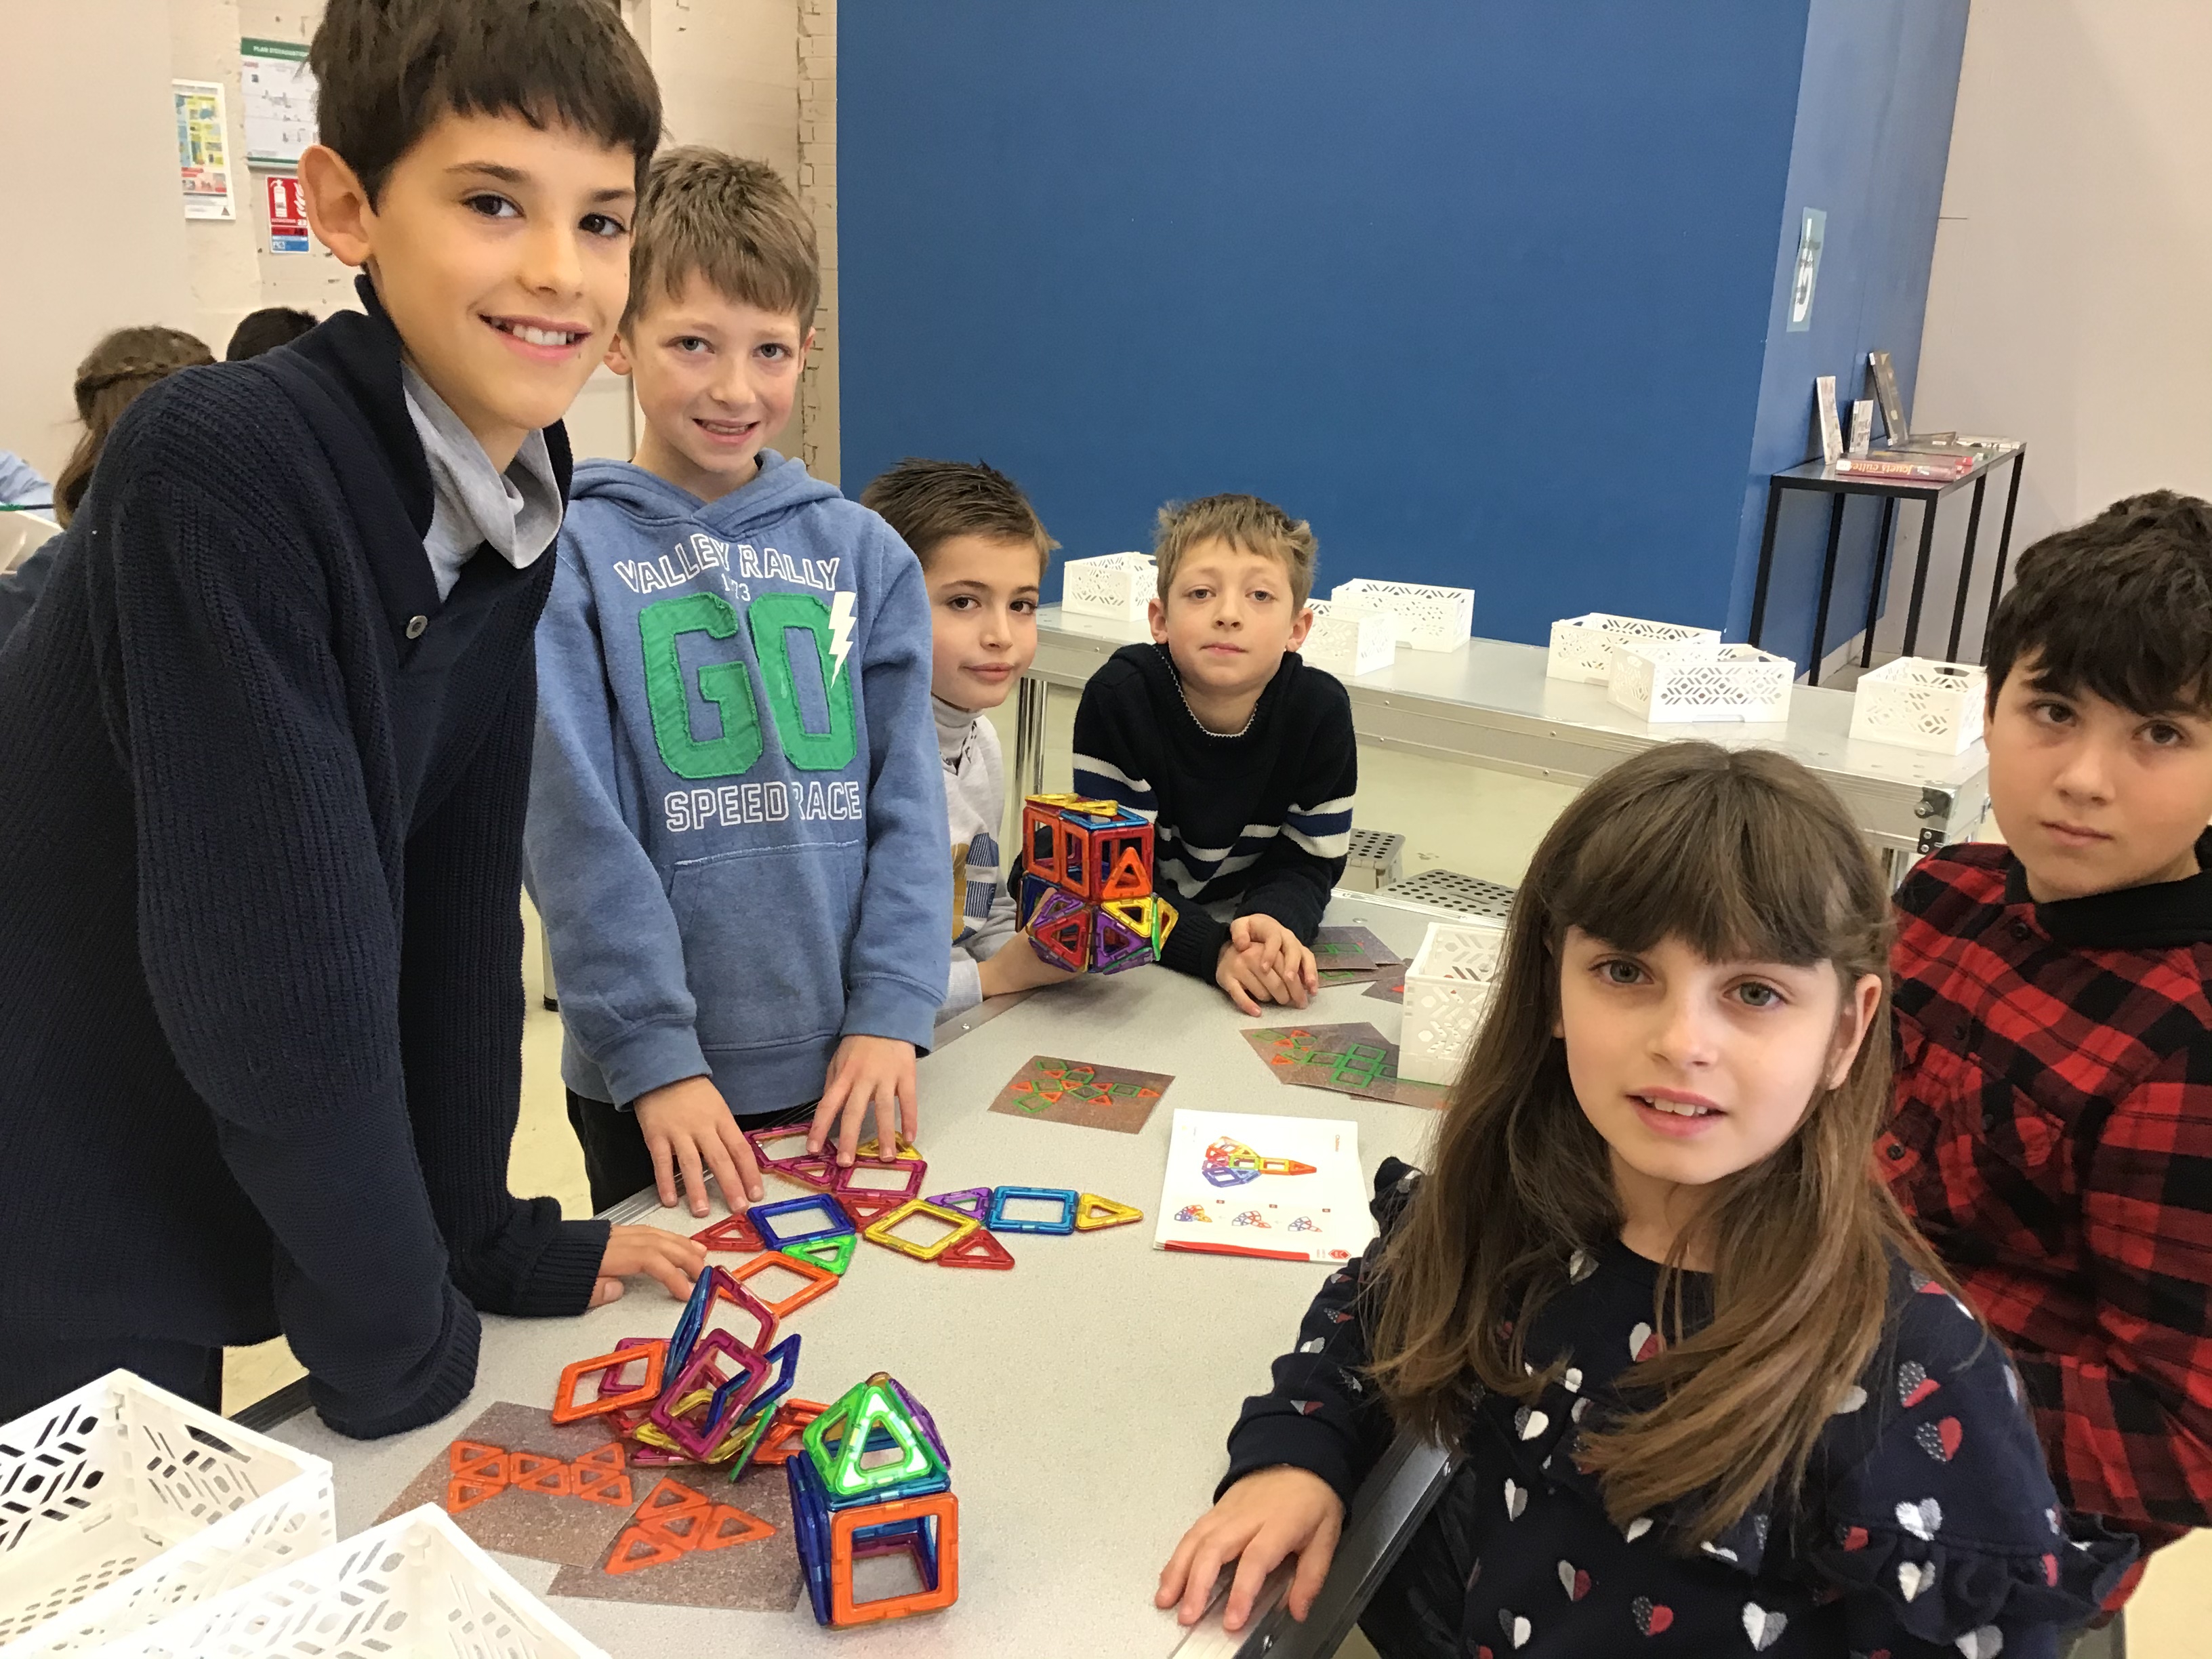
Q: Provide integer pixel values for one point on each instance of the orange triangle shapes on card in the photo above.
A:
(474, 1457)
(1093, 1212)
(614, 1491)
(608, 1458)
(730, 1525)
(684, 1528)
(979, 1250)
(548, 1476)
(637, 1548)
(670, 1497)
(465, 1491)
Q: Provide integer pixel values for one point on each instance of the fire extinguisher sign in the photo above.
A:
(287, 214)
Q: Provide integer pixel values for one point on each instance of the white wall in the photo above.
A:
(97, 237)
(2071, 299)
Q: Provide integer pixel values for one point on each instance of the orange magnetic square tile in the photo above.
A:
(942, 1506)
(567, 1408)
(822, 1281)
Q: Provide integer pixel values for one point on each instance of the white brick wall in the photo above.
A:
(818, 190)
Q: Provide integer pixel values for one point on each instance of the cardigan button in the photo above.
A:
(1896, 1151)
(417, 626)
(2021, 930)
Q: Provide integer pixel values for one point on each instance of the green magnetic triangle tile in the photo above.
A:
(835, 1254)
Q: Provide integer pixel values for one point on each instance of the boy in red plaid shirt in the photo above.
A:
(2053, 1134)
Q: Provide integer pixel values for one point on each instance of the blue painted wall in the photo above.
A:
(1872, 138)
(1482, 287)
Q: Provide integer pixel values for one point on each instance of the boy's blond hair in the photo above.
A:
(1246, 523)
(733, 223)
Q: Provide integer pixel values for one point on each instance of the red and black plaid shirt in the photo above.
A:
(2053, 1139)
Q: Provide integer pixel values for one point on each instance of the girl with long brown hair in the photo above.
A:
(1709, 1393)
(111, 377)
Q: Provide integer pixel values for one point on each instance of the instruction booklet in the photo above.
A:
(1239, 1183)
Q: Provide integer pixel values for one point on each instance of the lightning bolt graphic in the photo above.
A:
(840, 631)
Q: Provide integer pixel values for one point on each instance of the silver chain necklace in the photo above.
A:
(1192, 713)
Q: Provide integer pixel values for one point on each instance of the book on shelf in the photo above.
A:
(1824, 416)
(1883, 373)
(1961, 443)
(1911, 465)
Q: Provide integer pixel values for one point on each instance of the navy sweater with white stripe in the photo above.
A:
(261, 807)
(1255, 824)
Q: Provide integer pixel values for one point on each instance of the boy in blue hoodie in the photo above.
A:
(737, 832)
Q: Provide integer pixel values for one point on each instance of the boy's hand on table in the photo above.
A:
(688, 1125)
(1263, 1518)
(867, 1071)
(1264, 962)
(1016, 966)
(672, 1258)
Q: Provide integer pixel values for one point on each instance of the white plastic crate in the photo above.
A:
(1918, 703)
(1113, 585)
(1682, 682)
(416, 1586)
(1582, 646)
(1448, 991)
(1427, 618)
(1347, 642)
(121, 1504)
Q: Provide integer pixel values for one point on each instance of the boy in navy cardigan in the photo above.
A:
(264, 755)
(737, 821)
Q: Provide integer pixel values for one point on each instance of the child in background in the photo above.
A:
(2053, 1132)
(983, 553)
(1241, 755)
(265, 745)
(265, 329)
(737, 832)
(1712, 1394)
(112, 374)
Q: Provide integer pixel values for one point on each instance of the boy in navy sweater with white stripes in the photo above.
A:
(265, 751)
(1241, 754)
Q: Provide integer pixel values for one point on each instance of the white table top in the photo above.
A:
(1086, 1396)
(1490, 702)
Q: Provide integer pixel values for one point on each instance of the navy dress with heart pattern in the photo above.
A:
(1926, 1524)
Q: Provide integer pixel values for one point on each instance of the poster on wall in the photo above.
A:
(202, 149)
(1812, 235)
(288, 215)
(279, 101)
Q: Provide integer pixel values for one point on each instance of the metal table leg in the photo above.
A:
(1028, 734)
(1827, 586)
(1965, 569)
(2004, 546)
(1881, 545)
(1920, 573)
(1766, 562)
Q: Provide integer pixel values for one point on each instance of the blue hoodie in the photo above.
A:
(737, 832)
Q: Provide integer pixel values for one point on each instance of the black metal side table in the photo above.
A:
(1822, 479)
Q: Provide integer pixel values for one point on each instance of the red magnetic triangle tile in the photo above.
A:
(732, 1232)
(979, 1250)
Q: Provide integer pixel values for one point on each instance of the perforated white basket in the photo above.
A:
(1113, 585)
(1582, 646)
(1448, 991)
(1682, 682)
(415, 1586)
(121, 1504)
(1427, 618)
(1349, 641)
(1918, 703)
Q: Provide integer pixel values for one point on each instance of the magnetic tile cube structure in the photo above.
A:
(873, 1478)
(1087, 898)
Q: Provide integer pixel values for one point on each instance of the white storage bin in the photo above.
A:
(121, 1504)
(1427, 618)
(1582, 646)
(1683, 682)
(1918, 703)
(1448, 991)
(1113, 585)
(415, 1585)
(1347, 642)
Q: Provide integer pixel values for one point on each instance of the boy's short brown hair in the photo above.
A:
(929, 502)
(2120, 607)
(1246, 523)
(733, 222)
(387, 71)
